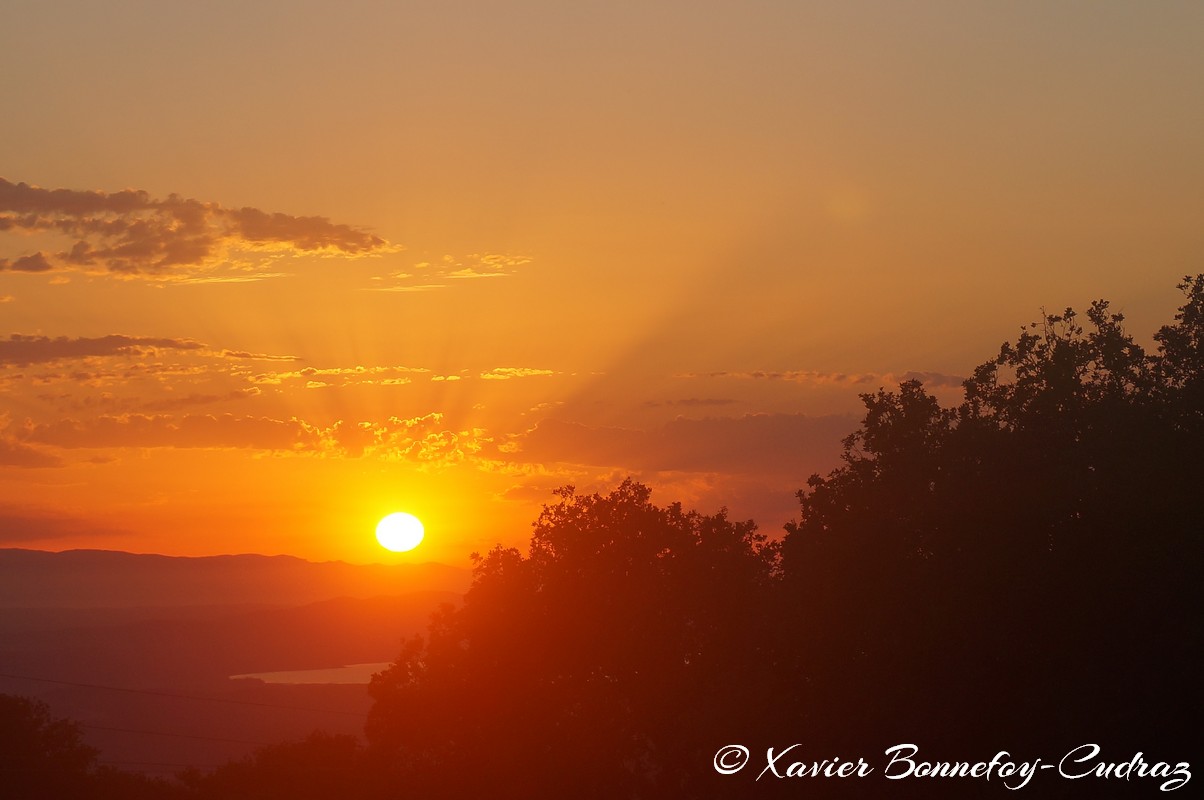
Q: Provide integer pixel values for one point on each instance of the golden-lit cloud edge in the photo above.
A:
(429, 276)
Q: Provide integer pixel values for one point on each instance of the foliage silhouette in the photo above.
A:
(44, 758)
(1016, 571)
(1032, 555)
(319, 767)
(579, 668)
(40, 755)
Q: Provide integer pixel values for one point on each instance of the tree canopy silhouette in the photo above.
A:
(1032, 553)
(43, 757)
(319, 767)
(1016, 571)
(579, 666)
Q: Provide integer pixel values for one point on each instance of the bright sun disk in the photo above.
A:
(399, 532)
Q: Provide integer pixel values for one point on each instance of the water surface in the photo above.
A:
(352, 673)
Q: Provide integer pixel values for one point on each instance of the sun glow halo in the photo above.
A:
(399, 532)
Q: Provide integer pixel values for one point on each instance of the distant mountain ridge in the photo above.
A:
(168, 651)
(128, 643)
(116, 579)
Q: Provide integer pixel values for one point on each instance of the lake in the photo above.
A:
(352, 673)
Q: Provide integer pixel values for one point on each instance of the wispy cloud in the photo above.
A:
(818, 378)
(242, 277)
(507, 373)
(199, 399)
(129, 233)
(21, 350)
(427, 276)
(19, 524)
(426, 441)
(317, 377)
(423, 287)
(793, 444)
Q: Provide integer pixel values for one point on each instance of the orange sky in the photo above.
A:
(268, 273)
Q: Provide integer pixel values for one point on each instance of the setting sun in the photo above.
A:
(399, 532)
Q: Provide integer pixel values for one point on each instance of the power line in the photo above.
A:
(173, 735)
(156, 764)
(186, 696)
(58, 769)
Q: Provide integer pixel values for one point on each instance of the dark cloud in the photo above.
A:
(16, 454)
(21, 350)
(37, 262)
(753, 465)
(304, 233)
(933, 379)
(197, 399)
(790, 444)
(27, 525)
(113, 404)
(535, 492)
(129, 232)
(818, 378)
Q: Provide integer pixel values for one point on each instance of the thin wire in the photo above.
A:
(174, 735)
(185, 696)
(157, 764)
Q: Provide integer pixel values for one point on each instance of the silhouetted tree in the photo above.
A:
(1019, 571)
(320, 767)
(598, 665)
(1024, 563)
(41, 756)
(44, 758)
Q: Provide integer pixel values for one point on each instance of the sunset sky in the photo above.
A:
(271, 271)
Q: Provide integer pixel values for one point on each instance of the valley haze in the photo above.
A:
(126, 643)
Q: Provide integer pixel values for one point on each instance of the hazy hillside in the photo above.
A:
(139, 647)
(172, 651)
(108, 579)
